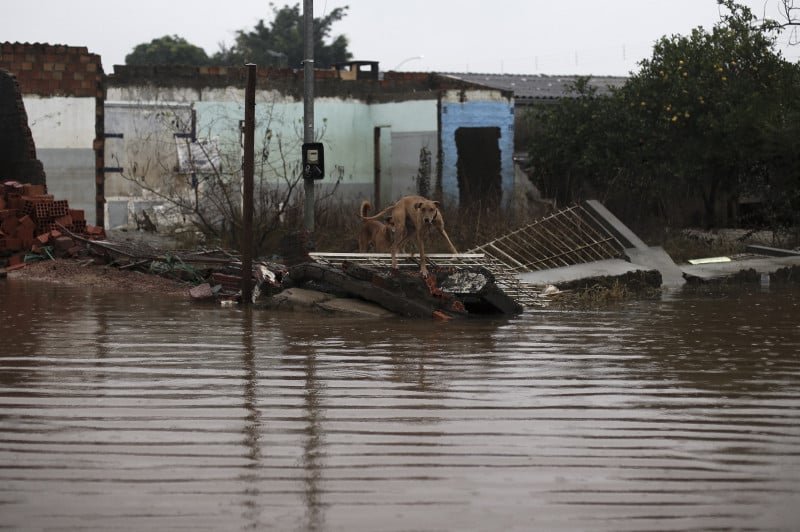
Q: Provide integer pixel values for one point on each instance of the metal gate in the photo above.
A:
(573, 235)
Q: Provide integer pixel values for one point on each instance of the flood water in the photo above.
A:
(124, 411)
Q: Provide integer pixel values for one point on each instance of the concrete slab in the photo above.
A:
(355, 307)
(599, 268)
(296, 299)
(655, 258)
(776, 252)
(725, 269)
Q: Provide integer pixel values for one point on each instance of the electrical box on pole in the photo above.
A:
(313, 160)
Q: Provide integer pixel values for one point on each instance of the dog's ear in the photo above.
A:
(437, 204)
(417, 205)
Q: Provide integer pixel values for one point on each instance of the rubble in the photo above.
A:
(446, 293)
(36, 229)
(746, 268)
(33, 221)
(304, 299)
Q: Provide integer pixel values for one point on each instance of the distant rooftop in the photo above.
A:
(528, 88)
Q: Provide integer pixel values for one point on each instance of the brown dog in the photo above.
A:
(374, 234)
(414, 216)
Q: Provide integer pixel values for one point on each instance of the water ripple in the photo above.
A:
(677, 414)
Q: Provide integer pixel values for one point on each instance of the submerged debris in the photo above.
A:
(603, 290)
(575, 243)
(788, 274)
(639, 281)
(446, 293)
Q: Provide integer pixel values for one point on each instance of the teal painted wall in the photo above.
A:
(345, 127)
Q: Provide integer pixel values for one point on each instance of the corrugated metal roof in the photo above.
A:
(536, 86)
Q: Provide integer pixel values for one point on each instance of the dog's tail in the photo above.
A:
(365, 208)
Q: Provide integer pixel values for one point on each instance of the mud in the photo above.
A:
(86, 273)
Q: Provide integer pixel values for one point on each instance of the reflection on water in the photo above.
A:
(132, 412)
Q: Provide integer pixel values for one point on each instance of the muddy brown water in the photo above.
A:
(135, 412)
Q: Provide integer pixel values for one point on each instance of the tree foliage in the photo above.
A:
(281, 43)
(709, 118)
(167, 50)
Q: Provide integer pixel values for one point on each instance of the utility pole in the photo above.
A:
(308, 105)
(247, 188)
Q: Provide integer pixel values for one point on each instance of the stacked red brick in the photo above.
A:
(31, 219)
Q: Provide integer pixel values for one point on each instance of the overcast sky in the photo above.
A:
(597, 37)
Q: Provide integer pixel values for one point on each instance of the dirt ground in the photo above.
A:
(82, 273)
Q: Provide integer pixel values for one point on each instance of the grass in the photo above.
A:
(337, 225)
(682, 247)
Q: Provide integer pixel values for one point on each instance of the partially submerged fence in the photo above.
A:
(570, 236)
(574, 235)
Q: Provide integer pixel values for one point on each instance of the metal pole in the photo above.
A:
(308, 104)
(247, 189)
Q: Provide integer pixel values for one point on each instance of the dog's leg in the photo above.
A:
(440, 227)
(444, 234)
(399, 238)
(401, 233)
(423, 267)
(397, 246)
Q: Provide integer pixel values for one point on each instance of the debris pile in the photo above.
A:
(34, 226)
(224, 282)
(33, 221)
(446, 293)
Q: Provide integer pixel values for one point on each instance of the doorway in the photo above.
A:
(478, 167)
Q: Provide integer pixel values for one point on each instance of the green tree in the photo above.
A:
(776, 177)
(706, 100)
(281, 43)
(567, 133)
(704, 120)
(167, 50)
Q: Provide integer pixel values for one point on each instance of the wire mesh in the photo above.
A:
(570, 236)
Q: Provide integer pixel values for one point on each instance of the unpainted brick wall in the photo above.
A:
(53, 70)
(395, 86)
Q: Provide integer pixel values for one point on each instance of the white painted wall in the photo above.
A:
(61, 122)
(63, 131)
